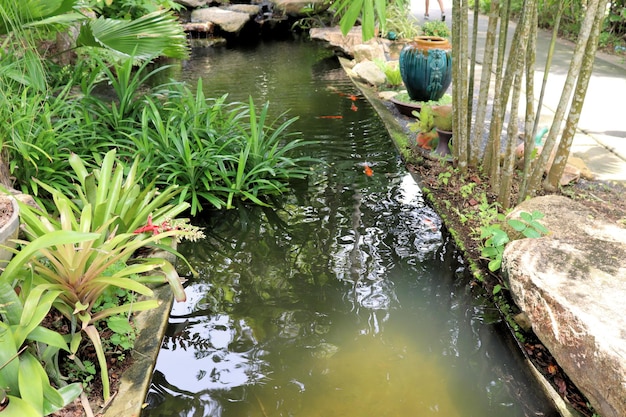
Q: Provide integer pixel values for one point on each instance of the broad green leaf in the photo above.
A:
(49, 337)
(495, 264)
(119, 324)
(348, 20)
(150, 35)
(30, 381)
(517, 224)
(68, 394)
(19, 408)
(531, 233)
(9, 363)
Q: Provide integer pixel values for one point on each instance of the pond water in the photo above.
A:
(348, 300)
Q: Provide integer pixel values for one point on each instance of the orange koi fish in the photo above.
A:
(330, 117)
(353, 107)
(367, 170)
(353, 97)
(430, 224)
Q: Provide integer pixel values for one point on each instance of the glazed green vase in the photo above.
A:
(426, 67)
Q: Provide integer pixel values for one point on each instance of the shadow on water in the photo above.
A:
(349, 300)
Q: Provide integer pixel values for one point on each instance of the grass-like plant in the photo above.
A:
(263, 165)
(219, 152)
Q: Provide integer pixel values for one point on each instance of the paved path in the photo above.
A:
(601, 141)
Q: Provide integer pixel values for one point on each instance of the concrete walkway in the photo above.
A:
(601, 138)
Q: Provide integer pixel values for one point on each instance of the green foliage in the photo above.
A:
(371, 13)
(131, 9)
(71, 254)
(198, 143)
(123, 37)
(528, 224)
(400, 21)
(25, 345)
(507, 312)
(123, 113)
(444, 177)
(442, 117)
(404, 98)
(436, 28)
(495, 238)
(425, 121)
(392, 73)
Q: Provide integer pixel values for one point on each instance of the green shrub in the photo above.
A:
(436, 28)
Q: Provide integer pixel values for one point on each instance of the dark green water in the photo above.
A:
(350, 300)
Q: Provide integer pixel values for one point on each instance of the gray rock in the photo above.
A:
(300, 8)
(228, 20)
(193, 3)
(369, 52)
(572, 286)
(369, 72)
(336, 40)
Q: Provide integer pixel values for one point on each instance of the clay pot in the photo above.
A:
(443, 147)
(426, 67)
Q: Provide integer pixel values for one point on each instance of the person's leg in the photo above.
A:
(426, 12)
(443, 12)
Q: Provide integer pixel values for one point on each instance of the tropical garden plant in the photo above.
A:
(88, 246)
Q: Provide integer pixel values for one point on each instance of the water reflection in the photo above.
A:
(347, 301)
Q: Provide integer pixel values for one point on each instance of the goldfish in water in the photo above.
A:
(367, 170)
(353, 107)
(330, 117)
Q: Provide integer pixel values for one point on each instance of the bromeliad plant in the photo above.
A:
(72, 252)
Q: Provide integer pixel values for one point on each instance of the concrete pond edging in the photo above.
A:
(134, 384)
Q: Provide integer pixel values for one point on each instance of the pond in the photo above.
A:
(350, 298)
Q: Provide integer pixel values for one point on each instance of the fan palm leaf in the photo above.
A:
(157, 33)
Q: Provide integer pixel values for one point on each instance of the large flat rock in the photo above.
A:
(572, 286)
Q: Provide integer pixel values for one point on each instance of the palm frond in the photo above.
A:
(157, 33)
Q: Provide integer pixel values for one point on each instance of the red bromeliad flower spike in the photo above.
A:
(149, 227)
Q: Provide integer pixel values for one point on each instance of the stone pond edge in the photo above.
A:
(400, 140)
(133, 389)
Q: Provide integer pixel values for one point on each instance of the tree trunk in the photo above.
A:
(476, 146)
(563, 150)
(535, 177)
(516, 71)
(492, 156)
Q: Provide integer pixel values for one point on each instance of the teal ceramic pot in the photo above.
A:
(426, 67)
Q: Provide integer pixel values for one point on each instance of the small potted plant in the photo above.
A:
(442, 120)
(436, 28)
(424, 127)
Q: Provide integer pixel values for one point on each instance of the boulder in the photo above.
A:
(369, 52)
(192, 4)
(300, 8)
(572, 285)
(336, 40)
(228, 20)
(369, 72)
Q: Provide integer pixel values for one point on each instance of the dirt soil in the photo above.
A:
(6, 209)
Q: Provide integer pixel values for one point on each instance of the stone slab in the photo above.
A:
(572, 286)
